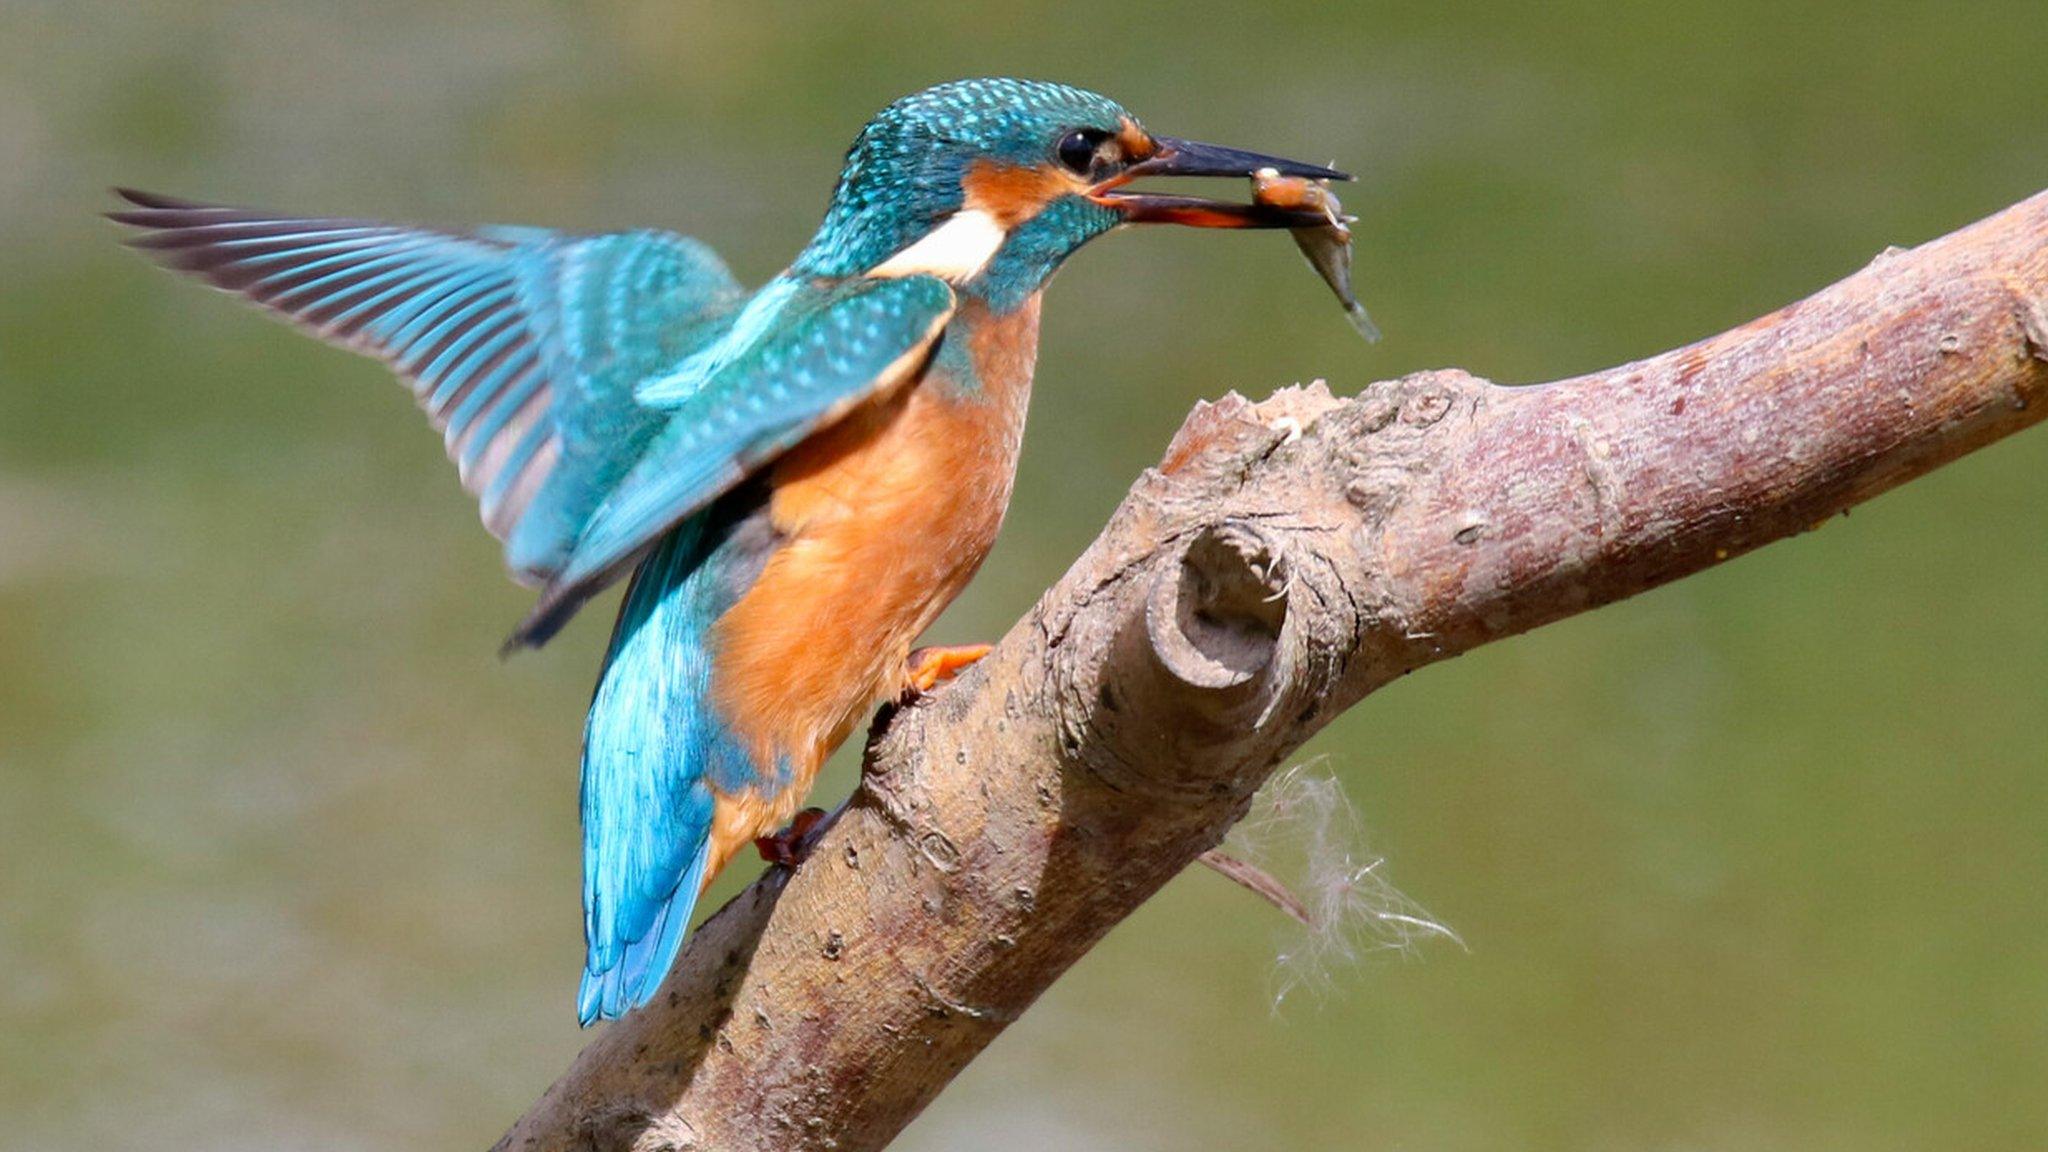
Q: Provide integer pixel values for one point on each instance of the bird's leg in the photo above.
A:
(928, 668)
(790, 846)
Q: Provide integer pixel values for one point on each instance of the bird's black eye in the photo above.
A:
(1077, 149)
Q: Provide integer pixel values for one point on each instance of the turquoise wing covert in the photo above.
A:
(524, 346)
(781, 377)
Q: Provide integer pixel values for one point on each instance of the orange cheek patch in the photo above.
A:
(1135, 142)
(1013, 194)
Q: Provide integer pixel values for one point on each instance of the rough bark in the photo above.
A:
(1285, 559)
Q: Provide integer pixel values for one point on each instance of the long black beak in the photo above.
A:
(1191, 158)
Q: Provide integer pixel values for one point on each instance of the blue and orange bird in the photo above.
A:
(798, 479)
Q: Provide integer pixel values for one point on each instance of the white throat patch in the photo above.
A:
(954, 251)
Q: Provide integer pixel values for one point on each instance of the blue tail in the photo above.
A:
(653, 748)
(642, 964)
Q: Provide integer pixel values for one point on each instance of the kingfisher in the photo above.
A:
(794, 481)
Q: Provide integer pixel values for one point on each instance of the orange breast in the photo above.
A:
(885, 517)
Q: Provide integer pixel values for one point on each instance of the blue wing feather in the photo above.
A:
(523, 345)
(734, 405)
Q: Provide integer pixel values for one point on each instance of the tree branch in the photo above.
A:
(1285, 559)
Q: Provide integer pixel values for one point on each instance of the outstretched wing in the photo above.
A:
(523, 345)
(799, 361)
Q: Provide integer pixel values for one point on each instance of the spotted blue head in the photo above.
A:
(990, 184)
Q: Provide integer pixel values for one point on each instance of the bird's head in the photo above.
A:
(990, 184)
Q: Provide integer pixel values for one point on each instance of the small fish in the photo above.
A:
(1327, 246)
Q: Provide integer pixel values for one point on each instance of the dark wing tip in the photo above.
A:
(160, 217)
(556, 605)
(142, 199)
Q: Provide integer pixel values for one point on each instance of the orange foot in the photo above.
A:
(789, 846)
(930, 667)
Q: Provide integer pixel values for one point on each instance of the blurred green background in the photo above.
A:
(288, 859)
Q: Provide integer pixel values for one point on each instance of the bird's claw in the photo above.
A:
(928, 668)
(793, 844)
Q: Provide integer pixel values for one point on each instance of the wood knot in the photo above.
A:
(1426, 408)
(1214, 619)
(1425, 398)
(939, 850)
(2033, 314)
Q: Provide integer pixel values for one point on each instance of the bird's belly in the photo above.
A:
(884, 519)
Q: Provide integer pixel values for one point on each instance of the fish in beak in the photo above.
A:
(1326, 244)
